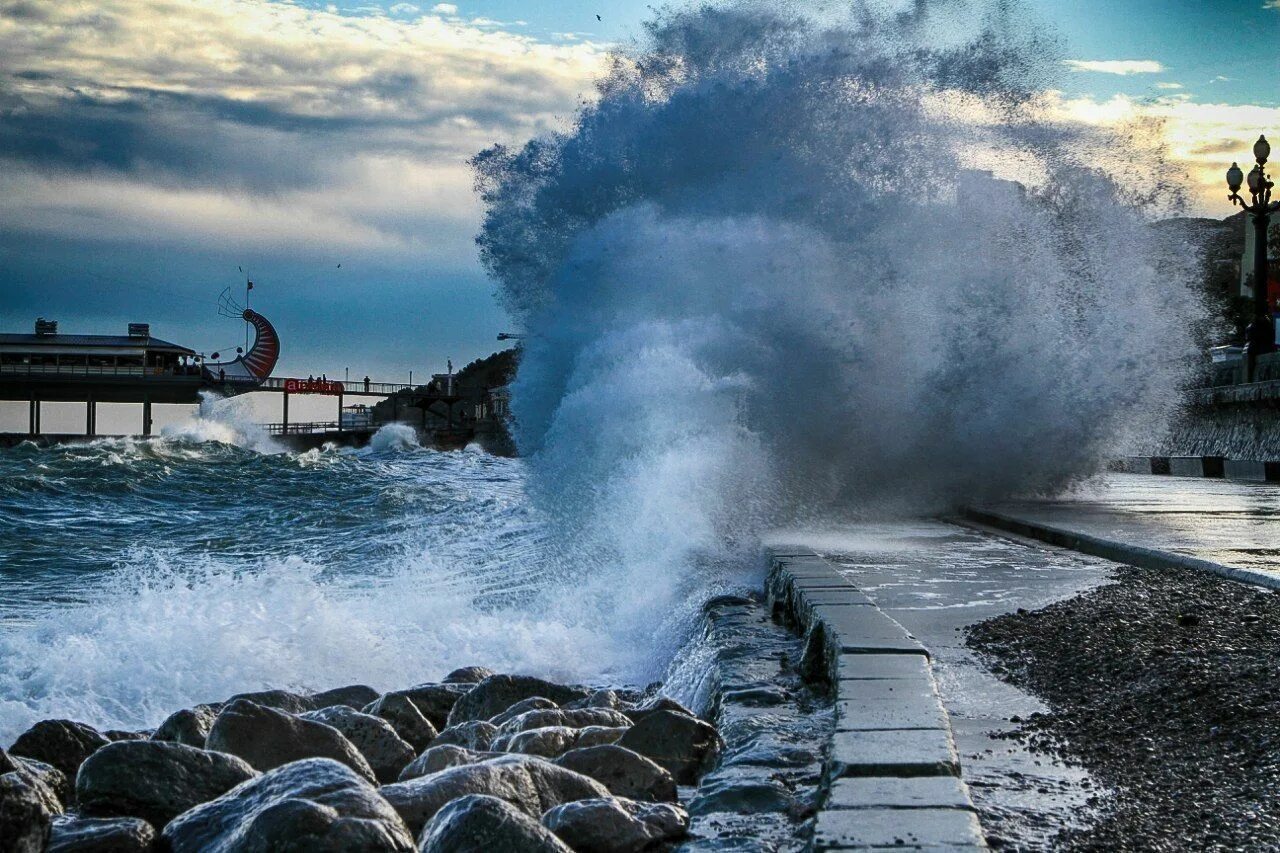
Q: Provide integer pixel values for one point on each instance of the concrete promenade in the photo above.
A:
(1223, 526)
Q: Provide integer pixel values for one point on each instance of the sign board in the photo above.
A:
(313, 386)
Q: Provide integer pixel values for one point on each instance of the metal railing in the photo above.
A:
(355, 387)
(312, 427)
(131, 371)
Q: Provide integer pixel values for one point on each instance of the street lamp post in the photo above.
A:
(1260, 337)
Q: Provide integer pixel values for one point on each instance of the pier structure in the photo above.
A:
(133, 368)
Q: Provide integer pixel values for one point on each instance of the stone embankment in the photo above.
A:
(892, 774)
(477, 762)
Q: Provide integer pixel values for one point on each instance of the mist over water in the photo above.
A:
(759, 290)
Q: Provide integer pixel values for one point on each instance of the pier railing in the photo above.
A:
(131, 371)
(354, 387)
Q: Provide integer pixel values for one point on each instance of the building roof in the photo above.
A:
(109, 341)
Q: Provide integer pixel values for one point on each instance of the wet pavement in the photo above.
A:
(1228, 522)
(937, 579)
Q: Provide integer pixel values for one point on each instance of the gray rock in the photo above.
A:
(311, 806)
(530, 784)
(499, 692)
(405, 718)
(114, 735)
(661, 703)
(533, 703)
(476, 734)
(189, 726)
(53, 785)
(439, 758)
(685, 746)
(546, 742)
(573, 719)
(601, 699)
(616, 825)
(625, 773)
(101, 835)
(552, 741)
(478, 823)
(468, 675)
(435, 701)
(354, 696)
(25, 815)
(281, 700)
(155, 780)
(61, 743)
(386, 752)
(268, 738)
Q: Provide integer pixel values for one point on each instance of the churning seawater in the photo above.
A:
(137, 577)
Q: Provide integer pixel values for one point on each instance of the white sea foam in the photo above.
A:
(227, 420)
(392, 437)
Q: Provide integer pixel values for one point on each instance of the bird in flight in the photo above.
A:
(598, 18)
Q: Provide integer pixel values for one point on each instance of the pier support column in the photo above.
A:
(339, 413)
(35, 416)
(146, 417)
(285, 415)
(91, 417)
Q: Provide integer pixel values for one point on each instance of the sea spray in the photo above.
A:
(764, 242)
(761, 281)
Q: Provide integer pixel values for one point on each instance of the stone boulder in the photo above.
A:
(573, 719)
(468, 675)
(189, 726)
(155, 780)
(101, 835)
(267, 738)
(530, 784)
(625, 773)
(616, 825)
(26, 815)
(497, 693)
(443, 757)
(281, 700)
(54, 788)
(386, 752)
(59, 743)
(653, 706)
(478, 823)
(476, 734)
(405, 717)
(601, 699)
(354, 696)
(552, 741)
(311, 806)
(533, 703)
(435, 701)
(114, 735)
(685, 746)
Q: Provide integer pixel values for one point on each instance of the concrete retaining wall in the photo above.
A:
(892, 774)
(1201, 466)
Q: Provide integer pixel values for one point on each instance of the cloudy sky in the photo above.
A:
(148, 148)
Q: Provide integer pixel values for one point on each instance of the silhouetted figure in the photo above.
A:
(222, 375)
(366, 385)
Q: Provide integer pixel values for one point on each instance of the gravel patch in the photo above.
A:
(1164, 686)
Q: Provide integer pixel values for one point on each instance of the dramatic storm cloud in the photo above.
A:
(156, 114)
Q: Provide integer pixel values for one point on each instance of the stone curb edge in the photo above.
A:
(1117, 552)
(1217, 467)
(892, 775)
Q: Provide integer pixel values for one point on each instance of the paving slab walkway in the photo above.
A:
(934, 579)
